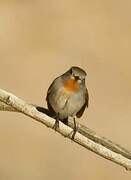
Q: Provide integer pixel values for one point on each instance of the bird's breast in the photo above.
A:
(71, 85)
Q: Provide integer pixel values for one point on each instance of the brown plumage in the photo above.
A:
(68, 96)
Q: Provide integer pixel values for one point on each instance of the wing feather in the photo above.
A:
(80, 113)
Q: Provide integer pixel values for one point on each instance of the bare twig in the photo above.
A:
(5, 107)
(85, 137)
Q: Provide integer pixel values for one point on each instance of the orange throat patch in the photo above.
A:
(71, 85)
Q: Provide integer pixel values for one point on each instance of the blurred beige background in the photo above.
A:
(41, 39)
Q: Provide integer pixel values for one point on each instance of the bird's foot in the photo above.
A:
(72, 133)
(56, 125)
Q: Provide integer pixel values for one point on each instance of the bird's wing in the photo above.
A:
(50, 88)
(79, 113)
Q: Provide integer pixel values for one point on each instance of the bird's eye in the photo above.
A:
(72, 74)
(71, 71)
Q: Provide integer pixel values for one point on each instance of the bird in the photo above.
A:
(68, 96)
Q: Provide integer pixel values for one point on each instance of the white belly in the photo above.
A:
(67, 103)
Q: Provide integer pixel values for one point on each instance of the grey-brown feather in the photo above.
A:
(55, 91)
(80, 113)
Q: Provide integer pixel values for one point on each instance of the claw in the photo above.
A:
(56, 125)
(72, 133)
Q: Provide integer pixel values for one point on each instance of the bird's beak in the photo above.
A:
(77, 78)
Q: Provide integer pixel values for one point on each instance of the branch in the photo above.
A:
(5, 107)
(84, 137)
